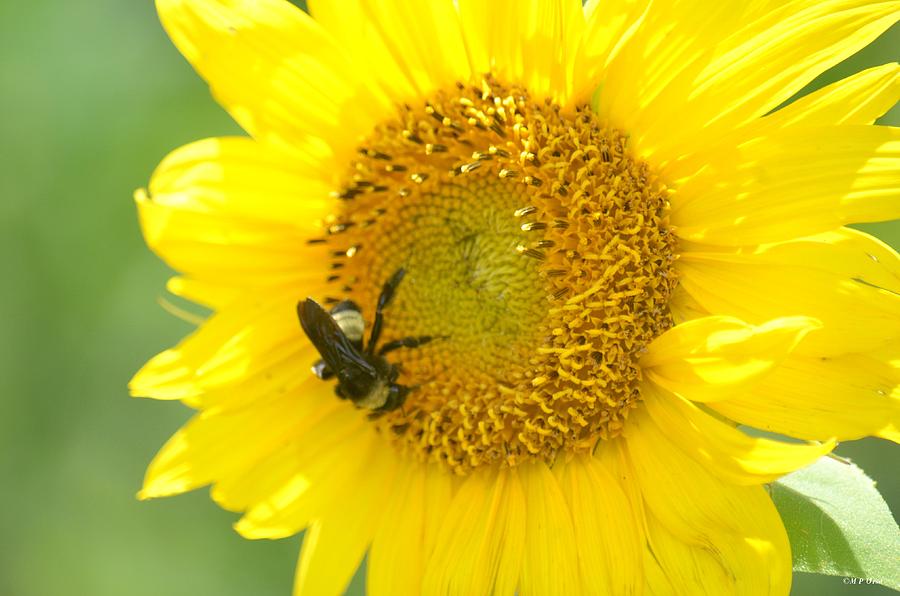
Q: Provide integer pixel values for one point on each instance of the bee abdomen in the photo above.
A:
(348, 317)
(376, 397)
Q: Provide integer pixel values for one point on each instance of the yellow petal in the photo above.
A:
(550, 562)
(480, 545)
(847, 397)
(758, 67)
(222, 248)
(281, 77)
(410, 50)
(440, 489)
(707, 359)
(243, 489)
(213, 295)
(613, 456)
(847, 252)
(350, 26)
(719, 538)
(396, 560)
(608, 539)
(406, 538)
(171, 374)
(253, 346)
(334, 545)
(723, 450)
(792, 183)
(826, 277)
(231, 251)
(247, 487)
(859, 99)
(685, 307)
(656, 582)
(240, 177)
(426, 40)
(490, 46)
(736, 567)
(525, 41)
(193, 457)
(609, 24)
(233, 215)
(770, 59)
(333, 459)
(669, 45)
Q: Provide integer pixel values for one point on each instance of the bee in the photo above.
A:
(364, 376)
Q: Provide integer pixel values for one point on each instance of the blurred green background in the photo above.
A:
(93, 96)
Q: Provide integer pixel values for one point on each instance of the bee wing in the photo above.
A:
(335, 348)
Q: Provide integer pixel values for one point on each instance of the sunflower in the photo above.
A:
(615, 249)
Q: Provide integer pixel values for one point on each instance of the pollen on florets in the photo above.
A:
(536, 247)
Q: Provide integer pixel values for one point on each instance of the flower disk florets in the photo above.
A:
(537, 250)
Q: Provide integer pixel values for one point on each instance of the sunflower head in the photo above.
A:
(615, 249)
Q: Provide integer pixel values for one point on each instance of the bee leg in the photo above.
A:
(387, 293)
(406, 342)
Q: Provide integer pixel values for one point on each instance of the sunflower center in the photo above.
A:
(538, 257)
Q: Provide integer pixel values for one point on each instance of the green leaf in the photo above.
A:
(838, 523)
